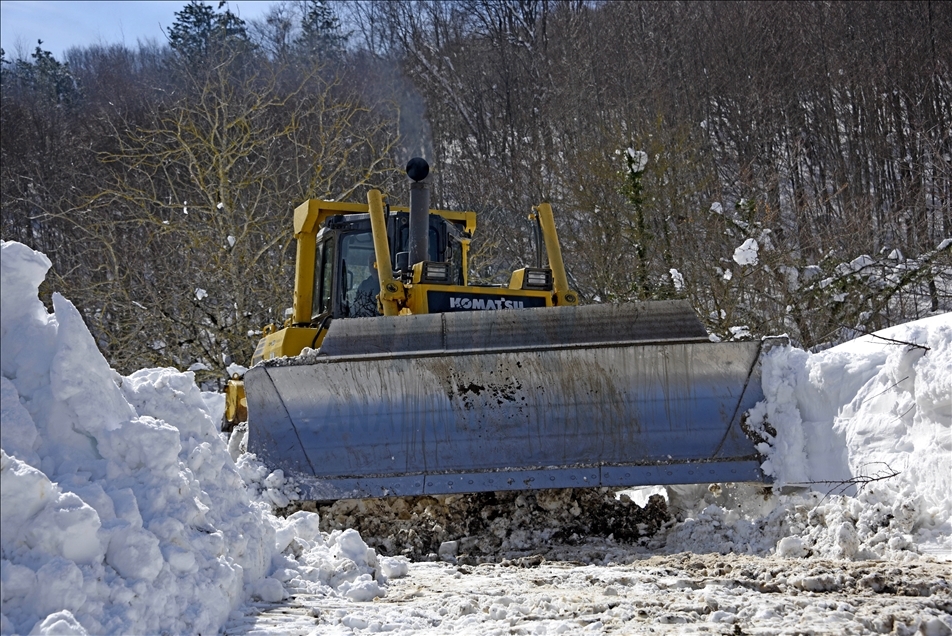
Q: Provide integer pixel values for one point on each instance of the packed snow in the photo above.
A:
(124, 510)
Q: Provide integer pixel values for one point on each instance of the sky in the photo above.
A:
(62, 25)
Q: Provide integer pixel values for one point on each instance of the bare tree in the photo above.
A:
(202, 198)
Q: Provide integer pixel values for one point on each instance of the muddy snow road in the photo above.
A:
(535, 563)
(683, 593)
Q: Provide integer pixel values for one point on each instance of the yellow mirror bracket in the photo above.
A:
(563, 295)
(391, 291)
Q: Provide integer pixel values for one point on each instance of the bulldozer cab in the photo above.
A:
(346, 280)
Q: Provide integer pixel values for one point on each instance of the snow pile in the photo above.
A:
(867, 426)
(121, 508)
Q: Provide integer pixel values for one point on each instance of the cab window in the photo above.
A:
(327, 275)
(359, 281)
(433, 242)
(316, 292)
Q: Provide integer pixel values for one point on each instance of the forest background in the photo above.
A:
(784, 166)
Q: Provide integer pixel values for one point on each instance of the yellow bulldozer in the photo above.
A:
(394, 376)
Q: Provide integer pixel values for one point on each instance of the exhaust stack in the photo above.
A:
(417, 170)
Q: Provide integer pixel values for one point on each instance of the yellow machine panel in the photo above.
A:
(289, 341)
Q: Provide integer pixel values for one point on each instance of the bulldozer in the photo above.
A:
(394, 376)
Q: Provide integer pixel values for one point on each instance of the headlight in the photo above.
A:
(435, 272)
(537, 279)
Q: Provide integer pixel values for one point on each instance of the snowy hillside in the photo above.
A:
(123, 512)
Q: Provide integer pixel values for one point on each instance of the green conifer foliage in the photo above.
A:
(321, 36)
(44, 75)
(199, 32)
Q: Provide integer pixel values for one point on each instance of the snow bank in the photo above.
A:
(868, 404)
(121, 508)
(864, 432)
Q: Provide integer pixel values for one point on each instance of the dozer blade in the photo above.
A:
(603, 395)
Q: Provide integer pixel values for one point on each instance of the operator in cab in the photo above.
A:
(365, 303)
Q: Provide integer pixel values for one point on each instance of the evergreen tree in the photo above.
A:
(321, 36)
(633, 189)
(199, 31)
(44, 75)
